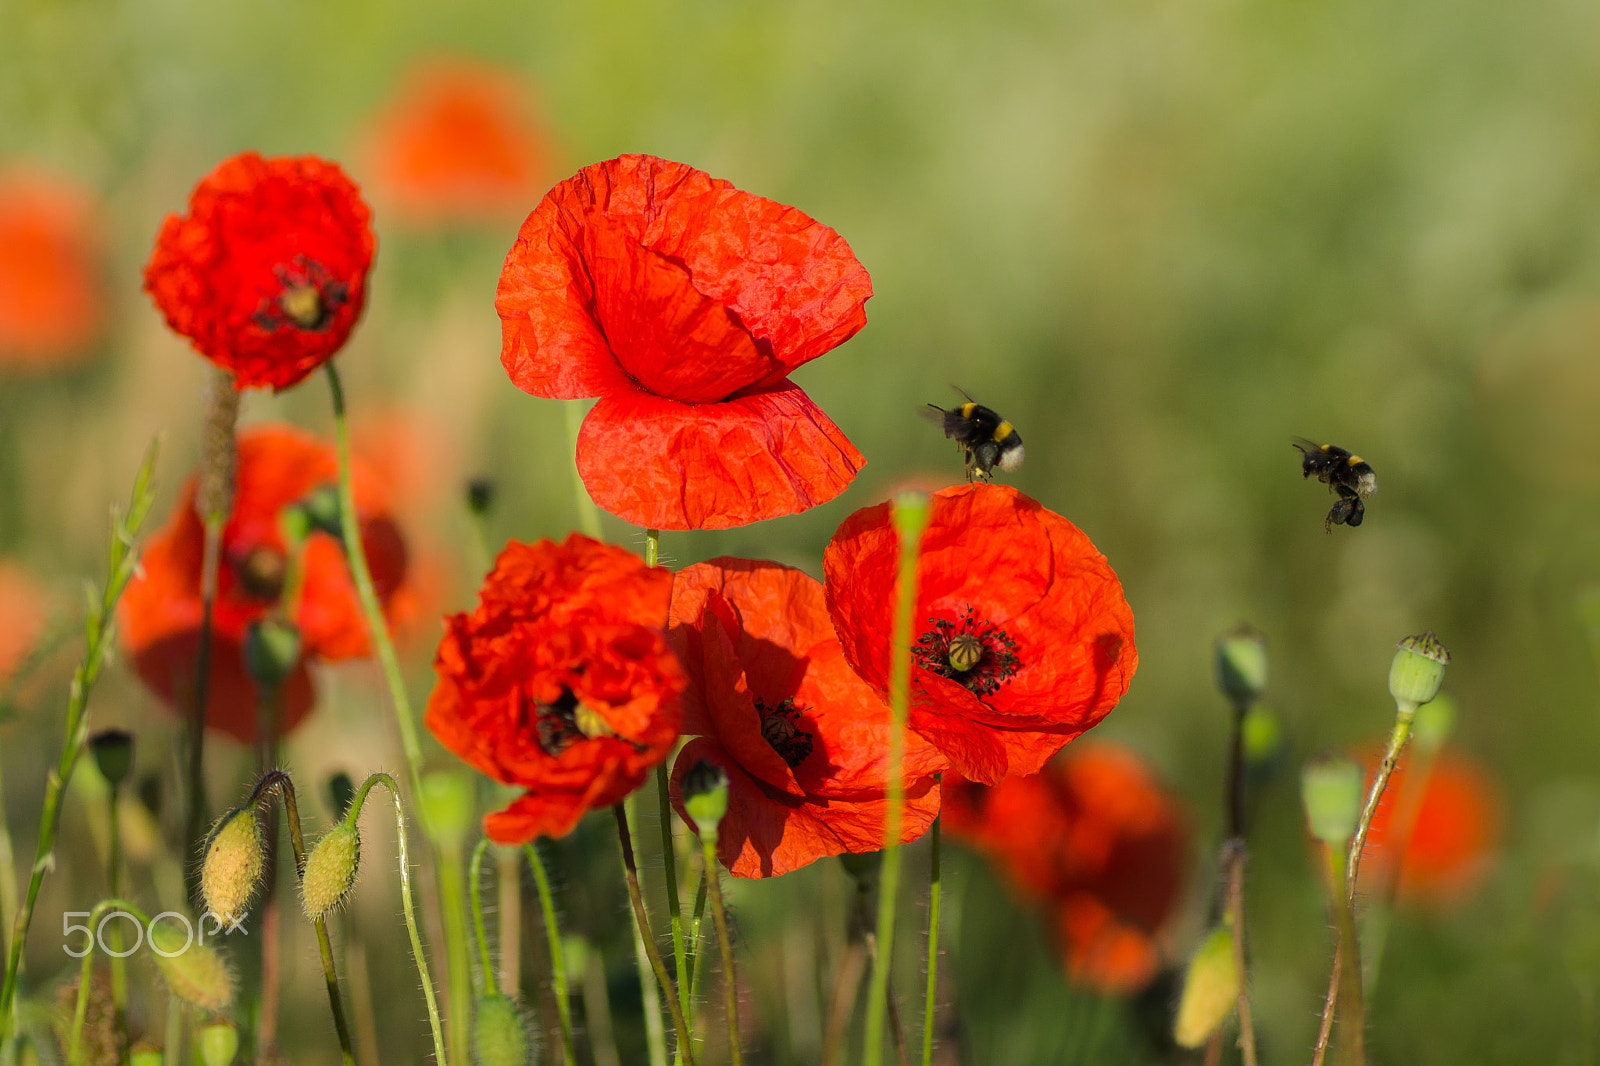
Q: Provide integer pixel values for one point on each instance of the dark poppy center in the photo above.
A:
(567, 721)
(972, 652)
(262, 572)
(780, 727)
(308, 300)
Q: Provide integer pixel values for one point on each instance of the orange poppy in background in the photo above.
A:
(803, 740)
(1456, 827)
(22, 617)
(267, 273)
(560, 682)
(458, 143)
(160, 611)
(50, 304)
(1025, 639)
(1094, 841)
(684, 304)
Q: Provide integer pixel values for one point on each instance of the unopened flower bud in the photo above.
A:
(271, 650)
(1210, 989)
(447, 806)
(480, 495)
(499, 1035)
(1330, 789)
(705, 796)
(1434, 723)
(219, 1043)
(113, 754)
(1241, 664)
(330, 870)
(1417, 671)
(232, 865)
(196, 973)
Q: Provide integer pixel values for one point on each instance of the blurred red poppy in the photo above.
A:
(1025, 640)
(1455, 827)
(50, 305)
(160, 611)
(22, 616)
(457, 144)
(804, 741)
(684, 304)
(1093, 840)
(560, 682)
(267, 273)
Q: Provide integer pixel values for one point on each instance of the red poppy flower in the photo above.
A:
(1456, 829)
(1097, 843)
(457, 143)
(160, 611)
(50, 306)
(804, 741)
(560, 682)
(267, 273)
(684, 304)
(1024, 641)
(22, 611)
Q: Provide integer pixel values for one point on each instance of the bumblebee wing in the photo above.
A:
(1307, 447)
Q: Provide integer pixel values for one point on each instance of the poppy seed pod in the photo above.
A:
(113, 754)
(196, 973)
(1417, 670)
(219, 1043)
(331, 870)
(271, 650)
(705, 796)
(1241, 661)
(1210, 989)
(499, 1035)
(232, 865)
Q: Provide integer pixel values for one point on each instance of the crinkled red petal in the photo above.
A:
(662, 464)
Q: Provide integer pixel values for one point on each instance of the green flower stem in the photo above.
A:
(475, 890)
(1344, 986)
(696, 956)
(80, 1009)
(1235, 859)
(1397, 743)
(647, 938)
(417, 953)
(8, 873)
(934, 892)
(508, 883)
(458, 962)
(377, 625)
(909, 520)
(654, 1032)
(730, 984)
(278, 781)
(558, 962)
(195, 822)
(588, 513)
(121, 564)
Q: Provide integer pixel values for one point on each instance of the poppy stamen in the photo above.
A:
(780, 727)
(556, 723)
(309, 300)
(262, 573)
(977, 655)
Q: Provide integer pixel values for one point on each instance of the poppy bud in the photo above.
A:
(113, 754)
(1417, 671)
(499, 1035)
(1210, 989)
(219, 1043)
(146, 1055)
(447, 805)
(705, 797)
(480, 495)
(232, 865)
(331, 870)
(271, 650)
(195, 972)
(1241, 663)
(1434, 723)
(1330, 789)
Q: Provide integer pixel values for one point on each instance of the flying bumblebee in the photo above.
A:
(987, 439)
(1349, 475)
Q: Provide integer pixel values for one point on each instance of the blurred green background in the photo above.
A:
(1161, 236)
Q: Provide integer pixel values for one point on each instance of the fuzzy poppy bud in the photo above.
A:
(146, 1055)
(1210, 989)
(1417, 670)
(1241, 664)
(219, 1043)
(271, 650)
(480, 495)
(196, 973)
(1330, 789)
(113, 754)
(330, 870)
(232, 865)
(447, 806)
(705, 796)
(499, 1035)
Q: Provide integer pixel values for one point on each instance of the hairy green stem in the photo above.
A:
(929, 1000)
(122, 562)
(558, 962)
(480, 935)
(458, 962)
(631, 874)
(730, 985)
(80, 1009)
(508, 882)
(195, 815)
